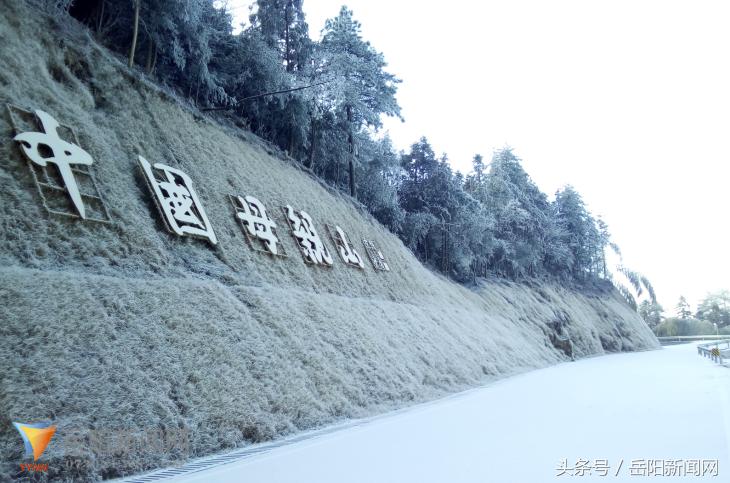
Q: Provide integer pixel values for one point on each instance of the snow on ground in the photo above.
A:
(661, 405)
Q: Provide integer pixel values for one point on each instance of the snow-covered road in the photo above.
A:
(634, 411)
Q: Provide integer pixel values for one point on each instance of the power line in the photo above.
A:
(284, 91)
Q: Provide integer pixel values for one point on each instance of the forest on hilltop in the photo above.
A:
(712, 316)
(322, 102)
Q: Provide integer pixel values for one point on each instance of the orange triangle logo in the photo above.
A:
(36, 437)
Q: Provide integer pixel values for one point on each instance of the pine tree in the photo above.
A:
(283, 27)
(715, 308)
(578, 231)
(651, 312)
(177, 39)
(522, 216)
(286, 118)
(359, 89)
(683, 310)
(380, 175)
(474, 183)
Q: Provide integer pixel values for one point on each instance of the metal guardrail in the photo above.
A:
(718, 350)
(681, 339)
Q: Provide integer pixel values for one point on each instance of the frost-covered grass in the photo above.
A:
(123, 326)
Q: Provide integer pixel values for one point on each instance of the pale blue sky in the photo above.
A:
(629, 101)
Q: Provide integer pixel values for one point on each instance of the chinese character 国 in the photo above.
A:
(180, 206)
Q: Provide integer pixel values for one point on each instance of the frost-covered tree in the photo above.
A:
(651, 312)
(323, 101)
(603, 242)
(283, 27)
(379, 172)
(358, 90)
(683, 309)
(418, 202)
(715, 308)
(639, 286)
(578, 232)
(474, 182)
(283, 116)
(522, 215)
(175, 39)
(444, 224)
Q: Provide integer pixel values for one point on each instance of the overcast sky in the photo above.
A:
(628, 101)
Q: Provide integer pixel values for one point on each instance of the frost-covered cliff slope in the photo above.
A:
(123, 327)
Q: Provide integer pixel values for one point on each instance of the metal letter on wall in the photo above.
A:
(310, 244)
(344, 248)
(376, 256)
(69, 188)
(177, 201)
(257, 225)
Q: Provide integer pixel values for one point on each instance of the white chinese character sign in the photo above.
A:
(179, 204)
(70, 186)
(310, 244)
(347, 252)
(62, 171)
(257, 225)
(376, 256)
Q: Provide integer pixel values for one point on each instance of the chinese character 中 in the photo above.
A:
(174, 194)
(47, 147)
(313, 249)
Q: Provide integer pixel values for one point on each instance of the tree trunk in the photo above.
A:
(154, 61)
(100, 18)
(133, 48)
(312, 146)
(286, 36)
(151, 56)
(291, 143)
(351, 148)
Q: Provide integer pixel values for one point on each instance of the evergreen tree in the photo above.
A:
(651, 312)
(522, 217)
(683, 310)
(715, 308)
(321, 103)
(283, 27)
(474, 183)
(176, 39)
(359, 89)
(380, 174)
(578, 232)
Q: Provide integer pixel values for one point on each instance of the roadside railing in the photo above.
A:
(683, 339)
(717, 350)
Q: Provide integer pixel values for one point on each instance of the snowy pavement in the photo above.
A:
(626, 412)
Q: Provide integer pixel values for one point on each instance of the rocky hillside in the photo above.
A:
(127, 330)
